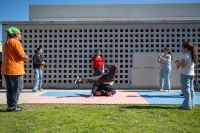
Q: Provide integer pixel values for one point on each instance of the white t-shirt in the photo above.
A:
(189, 67)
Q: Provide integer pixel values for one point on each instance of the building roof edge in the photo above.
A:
(98, 22)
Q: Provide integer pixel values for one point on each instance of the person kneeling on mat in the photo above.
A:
(106, 80)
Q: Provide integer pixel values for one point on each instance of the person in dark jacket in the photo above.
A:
(38, 66)
(106, 81)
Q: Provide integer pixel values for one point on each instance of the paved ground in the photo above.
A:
(27, 94)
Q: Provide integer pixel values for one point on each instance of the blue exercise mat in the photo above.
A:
(166, 97)
(151, 97)
(66, 93)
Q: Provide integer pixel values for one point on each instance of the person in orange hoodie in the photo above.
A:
(13, 67)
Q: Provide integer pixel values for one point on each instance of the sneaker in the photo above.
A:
(76, 81)
(41, 90)
(36, 91)
(159, 89)
(181, 108)
(166, 90)
(14, 108)
(8, 109)
(17, 108)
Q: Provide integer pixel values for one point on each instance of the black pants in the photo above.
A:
(14, 87)
(97, 72)
(104, 89)
(109, 77)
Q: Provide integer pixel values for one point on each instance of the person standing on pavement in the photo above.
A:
(165, 68)
(97, 65)
(13, 67)
(38, 66)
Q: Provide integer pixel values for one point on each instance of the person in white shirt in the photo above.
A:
(186, 71)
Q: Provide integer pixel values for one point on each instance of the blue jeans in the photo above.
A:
(38, 79)
(164, 76)
(187, 89)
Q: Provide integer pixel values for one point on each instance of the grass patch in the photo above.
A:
(100, 118)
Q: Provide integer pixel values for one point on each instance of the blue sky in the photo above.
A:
(12, 10)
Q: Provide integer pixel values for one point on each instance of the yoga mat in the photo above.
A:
(166, 97)
(82, 98)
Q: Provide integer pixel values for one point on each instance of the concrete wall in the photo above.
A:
(130, 38)
(114, 12)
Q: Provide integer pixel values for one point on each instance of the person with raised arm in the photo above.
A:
(165, 69)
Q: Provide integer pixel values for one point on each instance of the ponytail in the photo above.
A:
(194, 54)
(9, 36)
(192, 49)
(169, 52)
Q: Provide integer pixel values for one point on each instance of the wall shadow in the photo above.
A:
(147, 107)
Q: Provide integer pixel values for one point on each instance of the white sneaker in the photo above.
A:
(76, 81)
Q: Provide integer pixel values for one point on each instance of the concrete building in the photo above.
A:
(70, 34)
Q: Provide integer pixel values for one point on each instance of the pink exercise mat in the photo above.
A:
(118, 98)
